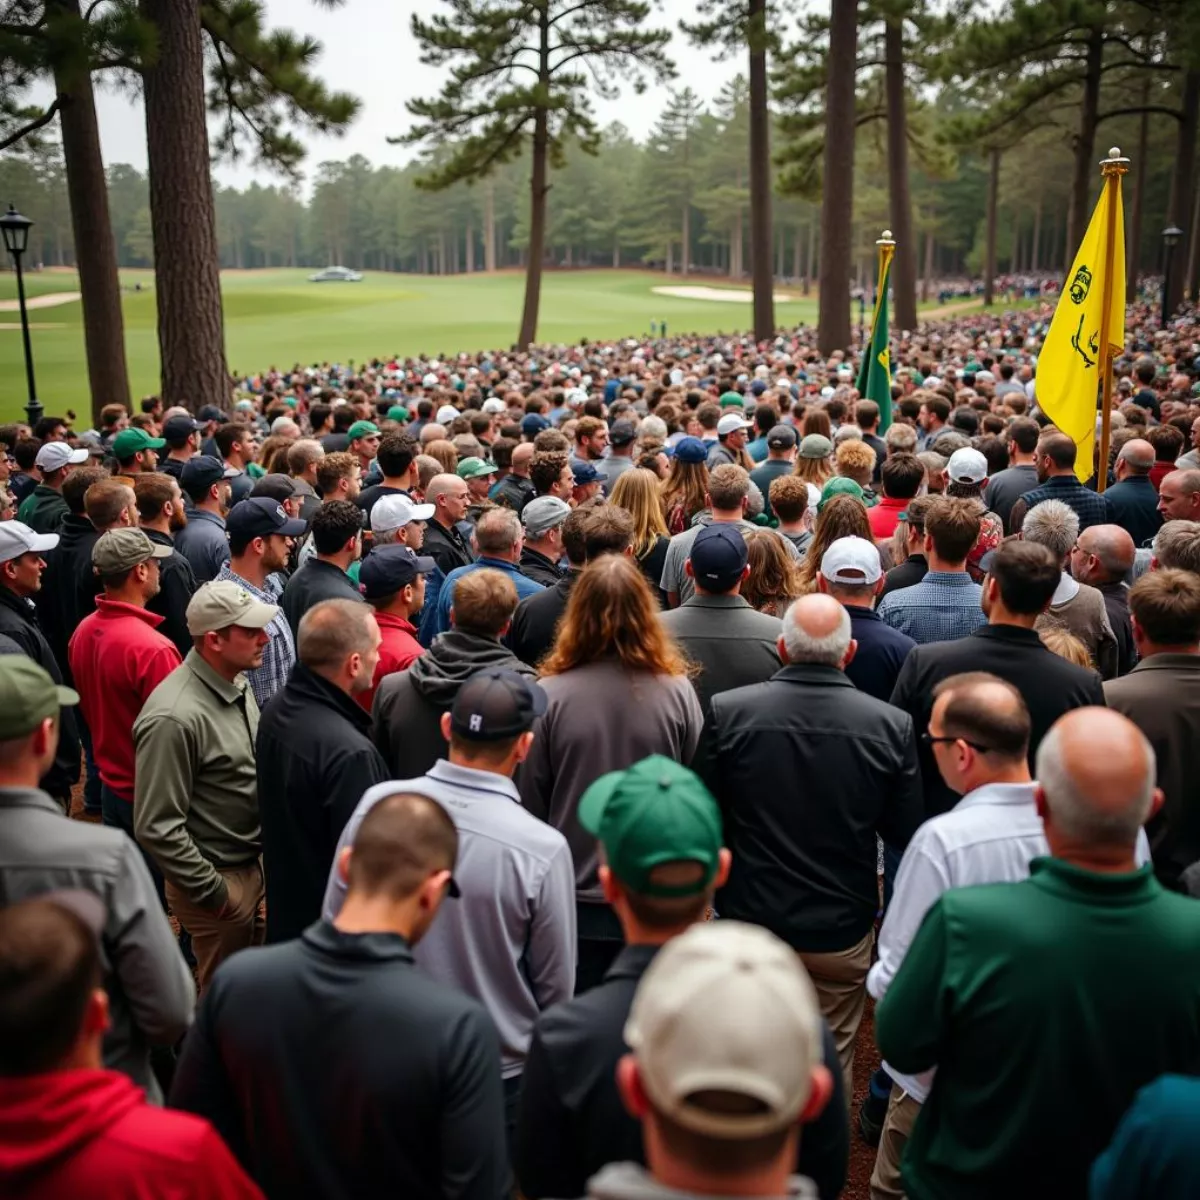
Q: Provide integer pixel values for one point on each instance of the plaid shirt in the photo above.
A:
(279, 654)
(1090, 507)
(944, 606)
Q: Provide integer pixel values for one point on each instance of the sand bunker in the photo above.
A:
(49, 300)
(736, 295)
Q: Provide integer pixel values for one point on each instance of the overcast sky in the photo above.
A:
(369, 52)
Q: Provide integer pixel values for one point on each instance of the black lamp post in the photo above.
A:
(16, 242)
(1170, 237)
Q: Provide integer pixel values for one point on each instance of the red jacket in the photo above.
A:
(885, 516)
(91, 1135)
(1159, 472)
(397, 652)
(118, 658)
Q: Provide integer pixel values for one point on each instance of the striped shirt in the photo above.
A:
(944, 606)
(279, 654)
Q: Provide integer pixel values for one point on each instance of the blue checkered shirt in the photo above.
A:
(279, 654)
(1090, 507)
(944, 606)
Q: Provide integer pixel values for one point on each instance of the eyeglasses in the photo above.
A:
(930, 740)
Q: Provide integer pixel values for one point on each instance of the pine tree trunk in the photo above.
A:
(1137, 180)
(795, 256)
(810, 256)
(95, 245)
(1180, 208)
(989, 264)
(537, 209)
(670, 257)
(904, 265)
(1192, 275)
(489, 226)
(191, 334)
(837, 199)
(927, 273)
(1035, 245)
(687, 239)
(616, 257)
(1085, 141)
(470, 249)
(762, 278)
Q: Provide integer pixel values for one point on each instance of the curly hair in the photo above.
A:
(774, 579)
(842, 516)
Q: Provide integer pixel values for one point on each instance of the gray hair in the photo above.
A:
(1139, 454)
(284, 423)
(497, 531)
(900, 439)
(653, 428)
(802, 647)
(848, 433)
(1054, 525)
(1177, 544)
(333, 630)
(949, 440)
(1070, 806)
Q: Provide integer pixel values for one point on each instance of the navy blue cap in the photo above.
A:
(691, 450)
(261, 516)
(622, 433)
(200, 473)
(210, 412)
(534, 423)
(387, 569)
(758, 386)
(718, 556)
(584, 473)
(178, 429)
(496, 704)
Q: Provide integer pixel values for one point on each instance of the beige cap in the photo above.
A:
(726, 1007)
(222, 603)
(123, 549)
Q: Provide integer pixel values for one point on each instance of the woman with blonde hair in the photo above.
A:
(684, 493)
(814, 463)
(1066, 645)
(617, 690)
(445, 453)
(774, 579)
(840, 516)
(636, 492)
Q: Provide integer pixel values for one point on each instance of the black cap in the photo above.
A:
(210, 412)
(179, 429)
(261, 516)
(718, 556)
(781, 437)
(278, 487)
(496, 704)
(622, 433)
(200, 473)
(387, 569)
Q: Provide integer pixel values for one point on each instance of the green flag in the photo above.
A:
(875, 372)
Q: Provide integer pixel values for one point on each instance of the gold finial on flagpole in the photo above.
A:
(886, 240)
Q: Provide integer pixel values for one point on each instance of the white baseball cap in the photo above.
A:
(576, 397)
(429, 380)
(53, 456)
(967, 466)
(711, 1014)
(494, 406)
(17, 538)
(851, 560)
(446, 414)
(394, 512)
(730, 423)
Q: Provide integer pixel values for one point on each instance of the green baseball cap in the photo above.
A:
(27, 696)
(129, 442)
(361, 429)
(472, 468)
(653, 813)
(731, 400)
(839, 486)
(397, 413)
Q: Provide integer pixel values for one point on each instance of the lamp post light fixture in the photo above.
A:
(16, 241)
(1170, 237)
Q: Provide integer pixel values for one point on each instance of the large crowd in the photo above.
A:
(517, 774)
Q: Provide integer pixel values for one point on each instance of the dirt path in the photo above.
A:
(49, 300)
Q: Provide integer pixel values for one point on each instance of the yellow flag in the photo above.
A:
(1069, 367)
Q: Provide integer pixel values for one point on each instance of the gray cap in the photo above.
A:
(541, 515)
(123, 549)
(222, 603)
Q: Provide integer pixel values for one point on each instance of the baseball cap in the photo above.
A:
(16, 538)
(731, 400)
(397, 413)
(967, 466)
(53, 456)
(691, 450)
(28, 696)
(276, 486)
(447, 414)
(222, 603)
(991, 534)
(718, 556)
(261, 516)
(781, 437)
(129, 442)
(361, 429)
(494, 406)
(394, 512)
(389, 568)
(123, 549)
(731, 423)
(544, 513)
(839, 486)
(851, 560)
(472, 468)
(815, 445)
(495, 704)
(429, 380)
(584, 473)
(652, 813)
(179, 428)
(200, 472)
(534, 423)
(711, 1013)
(210, 412)
(622, 433)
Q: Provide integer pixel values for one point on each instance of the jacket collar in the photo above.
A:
(536, 556)
(1139, 481)
(813, 673)
(18, 604)
(231, 693)
(308, 685)
(17, 797)
(1015, 795)
(1016, 634)
(454, 775)
(859, 613)
(327, 939)
(159, 538)
(202, 514)
(114, 609)
(497, 564)
(1168, 662)
(631, 962)
(715, 601)
(1094, 887)
(1063, 482)
(387, 620)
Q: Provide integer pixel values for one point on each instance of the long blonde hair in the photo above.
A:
(842, 516)
(636, 491)
(817, 471)
(687, 485)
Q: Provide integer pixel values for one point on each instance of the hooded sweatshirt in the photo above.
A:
(91, 1133)
(629, 1181)
(409, 704)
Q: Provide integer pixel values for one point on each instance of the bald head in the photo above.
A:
(522, 456)
(1138, 456)
(1096, 771)
(444, 485)
(1106, 554)
(432, 433)
(816, 629)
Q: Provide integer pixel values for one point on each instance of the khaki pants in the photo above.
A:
(897, 1129)
(216, 936)
(840, 979)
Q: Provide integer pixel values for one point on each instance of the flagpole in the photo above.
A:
(887, 247)
(1112, 168)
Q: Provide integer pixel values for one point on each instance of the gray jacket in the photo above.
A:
(629, 1181)
(150, 989)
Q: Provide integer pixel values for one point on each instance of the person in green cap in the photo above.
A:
(134, 450)
(398, 413)
(478, 475)
(364, 443)
(839, 485)
(663, 858)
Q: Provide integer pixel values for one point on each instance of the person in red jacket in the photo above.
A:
(69, 1128)
(392, 581)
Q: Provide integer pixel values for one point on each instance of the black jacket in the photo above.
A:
(535, 622)
(177, 585)
(333, 1068)
(1051, 686)
(572, 1121)
(1116, 604)
(447, 547)
(1133, 504)
(18, 620)
(69, 587)
(409, 704)
(515, 491)
(536, 566)
(909, 573)
(314, 582)
(808, 770)
(315, 761)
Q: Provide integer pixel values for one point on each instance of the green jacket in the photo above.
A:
(1045, 1005)
(43, 509)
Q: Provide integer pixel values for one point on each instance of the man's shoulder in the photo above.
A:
(169, 698)
(163, 1138)
(596, 1017)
